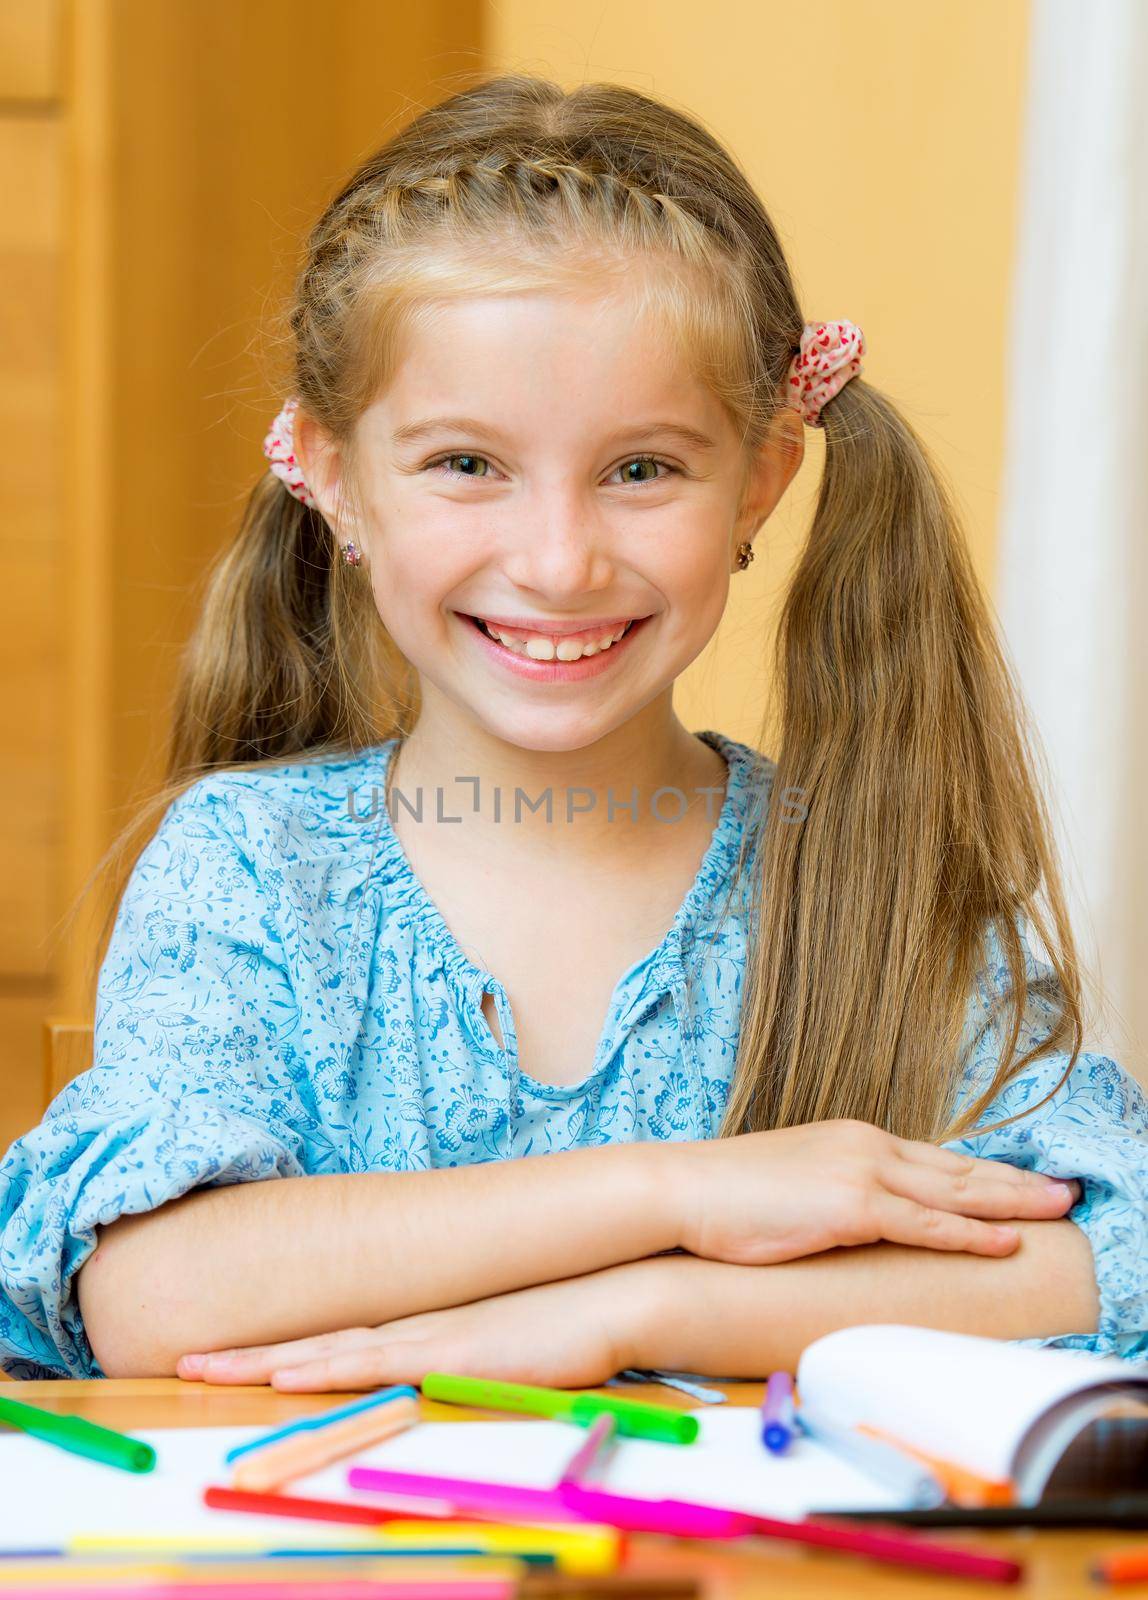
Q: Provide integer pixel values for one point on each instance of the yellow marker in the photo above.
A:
(582, 1548)
(585, 1548)
(166, 1544)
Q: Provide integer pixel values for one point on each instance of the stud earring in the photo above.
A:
(744, 555)
(353, 557)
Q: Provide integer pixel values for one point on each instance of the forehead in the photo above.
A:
(556, 359)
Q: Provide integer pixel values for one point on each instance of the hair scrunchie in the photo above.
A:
(829, 355)
(279, 448)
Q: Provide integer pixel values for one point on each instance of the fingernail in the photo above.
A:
(1062, 1191)
(1005, 1233)
(190, 1366)
(286, 1374)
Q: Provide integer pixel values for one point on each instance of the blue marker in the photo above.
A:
(321, 1419)
(777, 1424)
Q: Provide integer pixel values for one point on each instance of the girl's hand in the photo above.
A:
(573, 1334)
(765, 1197)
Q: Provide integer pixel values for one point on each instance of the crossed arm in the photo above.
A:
(549, 1269)
(686, 1314)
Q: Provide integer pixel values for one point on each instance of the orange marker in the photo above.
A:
(962, 1486)
(301, 1453)
(1123, 1566)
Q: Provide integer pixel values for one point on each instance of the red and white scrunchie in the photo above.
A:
(830, 355)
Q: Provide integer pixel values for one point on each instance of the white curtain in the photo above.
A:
(1073, 573)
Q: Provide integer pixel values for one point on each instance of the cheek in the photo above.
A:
(412, 579)
(692, 571)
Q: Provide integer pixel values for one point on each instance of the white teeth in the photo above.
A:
(540, 648)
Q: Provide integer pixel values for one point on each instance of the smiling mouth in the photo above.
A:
(545, 647)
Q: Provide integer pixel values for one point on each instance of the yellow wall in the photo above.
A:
(883, 137)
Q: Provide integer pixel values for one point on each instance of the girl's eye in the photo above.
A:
(466, 472)
(472, 461)
(645, 461)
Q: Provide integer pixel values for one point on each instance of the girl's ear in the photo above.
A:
(321, 464)
(771, 471)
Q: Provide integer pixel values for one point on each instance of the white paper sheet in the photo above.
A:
(49, 1497)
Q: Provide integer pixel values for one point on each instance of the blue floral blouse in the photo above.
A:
(282, 997)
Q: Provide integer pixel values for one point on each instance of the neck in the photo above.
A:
(601, 794)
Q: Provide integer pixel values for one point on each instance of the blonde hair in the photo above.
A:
(898, 720)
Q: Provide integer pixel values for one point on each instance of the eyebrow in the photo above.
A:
(413, 432)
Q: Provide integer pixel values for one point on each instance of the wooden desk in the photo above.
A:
(1057, 1563)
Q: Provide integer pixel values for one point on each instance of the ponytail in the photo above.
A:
(903, 734)
(287, 651)
(289, 661)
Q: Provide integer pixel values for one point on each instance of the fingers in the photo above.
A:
(347, 1370)
(903, 1221)
(954, 1161)
(255, 1363)
(986, 1191)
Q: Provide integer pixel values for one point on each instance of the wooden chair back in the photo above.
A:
(67, 1053)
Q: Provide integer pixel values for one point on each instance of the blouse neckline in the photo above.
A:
(663, 964)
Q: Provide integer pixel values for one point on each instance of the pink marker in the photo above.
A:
(460, 1588)
(679, 1517)
(507, 1500)
(591, 1456)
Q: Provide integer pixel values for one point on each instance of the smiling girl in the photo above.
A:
(466, 1010)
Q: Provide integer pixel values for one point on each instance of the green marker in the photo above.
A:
(488, 1395)
(633, 1419)
(81, 1437)
(638, 1420)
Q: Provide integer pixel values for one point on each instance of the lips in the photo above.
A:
(577, 636)
(554, 669)
(528, 628)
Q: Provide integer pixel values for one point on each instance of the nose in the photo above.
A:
(559, 547)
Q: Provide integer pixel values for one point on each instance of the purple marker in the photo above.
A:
(777, 1413)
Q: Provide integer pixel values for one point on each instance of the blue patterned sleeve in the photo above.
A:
(1094, 1128)
(194, 1082)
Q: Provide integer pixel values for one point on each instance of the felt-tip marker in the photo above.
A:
(777, 1424)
